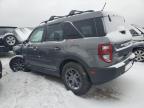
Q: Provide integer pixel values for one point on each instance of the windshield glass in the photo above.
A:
(6, 30)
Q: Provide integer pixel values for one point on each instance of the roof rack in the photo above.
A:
(73, 12)
(52, 18)
(55, 17)
(44, 22)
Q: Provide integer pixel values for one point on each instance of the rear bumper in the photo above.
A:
(4, 49)
(102, 75)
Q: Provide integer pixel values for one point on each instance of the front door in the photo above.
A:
(51, 49)
(31, 54)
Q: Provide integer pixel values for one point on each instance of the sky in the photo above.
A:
(29, 13)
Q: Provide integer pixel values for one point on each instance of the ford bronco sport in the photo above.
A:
(83, 48)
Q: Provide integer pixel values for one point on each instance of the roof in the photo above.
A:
(76, 17)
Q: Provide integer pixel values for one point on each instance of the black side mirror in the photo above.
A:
(26, 41)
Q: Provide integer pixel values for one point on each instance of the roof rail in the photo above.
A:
(44, 22)
(73, 12)
(55, 17)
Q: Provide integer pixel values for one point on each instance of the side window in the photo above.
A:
(37, 35)
(86, 27)
(70, 31)
(134, 33)
(54, 33)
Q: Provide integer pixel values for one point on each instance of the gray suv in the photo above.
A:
(83, 48)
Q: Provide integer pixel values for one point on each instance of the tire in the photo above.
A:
(17, 64)
(139, 53)
(75, 78)
(9, 41)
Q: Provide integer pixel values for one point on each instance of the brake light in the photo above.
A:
(105, 52)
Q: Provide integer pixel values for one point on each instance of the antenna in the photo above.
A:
(104, 6)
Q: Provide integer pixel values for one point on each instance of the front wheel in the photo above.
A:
(75, 78)
(139, 54)
(17, 64)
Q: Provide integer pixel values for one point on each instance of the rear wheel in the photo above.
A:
(75, 78)
(139, 53)
(17, 64)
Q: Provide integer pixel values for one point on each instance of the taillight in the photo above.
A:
(105, 52)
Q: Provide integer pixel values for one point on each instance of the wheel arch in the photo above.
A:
(82, 63)
(138, 47)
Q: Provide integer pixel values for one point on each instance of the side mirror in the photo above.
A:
(26, 41)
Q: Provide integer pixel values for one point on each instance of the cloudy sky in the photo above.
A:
(32, 12)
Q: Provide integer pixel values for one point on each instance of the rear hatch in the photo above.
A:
(119, 36)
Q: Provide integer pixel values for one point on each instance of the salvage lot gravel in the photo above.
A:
(33, 90)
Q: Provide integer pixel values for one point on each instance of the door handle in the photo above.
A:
(57, 48)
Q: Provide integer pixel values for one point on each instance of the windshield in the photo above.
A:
(114, 23)
(6, 30)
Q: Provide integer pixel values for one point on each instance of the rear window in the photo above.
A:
(113, 23)
(90, 27)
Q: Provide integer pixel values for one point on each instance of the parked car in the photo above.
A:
(83, 48)
(11, 36)
(138, 42)
(7, 39)
(0, 70)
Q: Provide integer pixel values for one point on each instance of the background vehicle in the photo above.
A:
(7, 39)
(11, 36)
(83, 48)
(138, 42)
